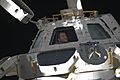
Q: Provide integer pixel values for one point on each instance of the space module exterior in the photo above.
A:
(92, 53)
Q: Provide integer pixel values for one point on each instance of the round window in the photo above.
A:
(93, 53)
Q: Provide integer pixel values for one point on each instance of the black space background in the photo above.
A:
(16, 37)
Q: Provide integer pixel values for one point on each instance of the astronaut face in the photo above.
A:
(62, 37)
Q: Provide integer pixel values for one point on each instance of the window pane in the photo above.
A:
(69, 31)
(54, 57)
(97, 32)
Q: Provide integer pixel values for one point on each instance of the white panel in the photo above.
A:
(17, 9)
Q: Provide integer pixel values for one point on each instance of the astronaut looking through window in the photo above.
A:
(63, 35)
(62, 38)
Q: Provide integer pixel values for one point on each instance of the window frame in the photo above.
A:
(66, 30)
(102, 27)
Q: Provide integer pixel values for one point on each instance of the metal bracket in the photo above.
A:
(18, 9)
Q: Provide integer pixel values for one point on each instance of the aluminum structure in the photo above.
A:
(92, 53)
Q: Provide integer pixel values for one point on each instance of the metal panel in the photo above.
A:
(74, 4)
(17, 9)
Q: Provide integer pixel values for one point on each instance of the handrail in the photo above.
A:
(67, 16)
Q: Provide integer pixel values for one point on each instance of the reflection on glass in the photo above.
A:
(97, 32)
(54, 57)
